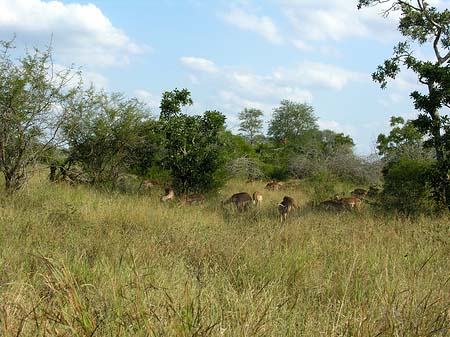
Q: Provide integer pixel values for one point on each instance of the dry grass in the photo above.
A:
(79, 262)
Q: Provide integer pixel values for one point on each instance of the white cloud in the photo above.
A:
(235, 102)
(262, 25)
(299, 44)
(193, 79)
(336, 20)
(94, 78)
(336, 126)
(319, 74)
(200, 64)
(79, 33)
(267, 86)
(149, 98)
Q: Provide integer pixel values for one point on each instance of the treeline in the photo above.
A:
(48, 116)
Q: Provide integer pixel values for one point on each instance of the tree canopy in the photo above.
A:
(424, 25)
(251, 124)
(291, 120)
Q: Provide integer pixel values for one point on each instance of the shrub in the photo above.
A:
(406, 187)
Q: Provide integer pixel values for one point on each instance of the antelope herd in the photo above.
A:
(242, 201)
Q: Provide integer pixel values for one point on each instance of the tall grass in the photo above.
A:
(80, 262)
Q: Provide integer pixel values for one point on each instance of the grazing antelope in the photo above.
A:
(170, 194)
(359, 193)
(241, 200)
(149, 184)
(332, 205)
(257, 198)
(196, 198)
(273, 185)
(285, 207)
(351, 203)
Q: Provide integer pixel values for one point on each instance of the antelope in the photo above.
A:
(332, 205)
(168, 196)
(149, 184)
(273, 185)
(257, 198)
(241, 200)
(196, 198)
(351, 203)
(285, 207)
(359, 193)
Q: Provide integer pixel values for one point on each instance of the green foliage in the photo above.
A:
(291, 121)
(403, 140)
(172, 101)
(405, 187)
(193, 146)
(30, 92)
(331, 142)
(104, 133)
(421, 23)
(251, 124)
(147, 154)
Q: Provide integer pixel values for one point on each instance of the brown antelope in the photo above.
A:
(149, 184)
(285, 207)
(273, 185)
(170, 194)
(241, 200)
(359, 193)
(257, 198)
(351, 203)
(196, 198)
(332, 205)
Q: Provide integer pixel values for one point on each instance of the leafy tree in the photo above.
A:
(147, 154)
(101, 133)
(31, 92)
(193, 145)
(251, 124)
(423, 24)
(332, 142)
(291, 121)
(172, 101)
(403, 141)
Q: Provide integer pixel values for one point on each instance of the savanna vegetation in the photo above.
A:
(88, 249)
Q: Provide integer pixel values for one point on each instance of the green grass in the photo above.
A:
(80, 262)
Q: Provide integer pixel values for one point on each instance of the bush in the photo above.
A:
(245, 168)
(406, 187)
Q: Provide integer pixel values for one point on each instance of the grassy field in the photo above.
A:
(80, 262)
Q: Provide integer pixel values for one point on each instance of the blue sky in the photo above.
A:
(230, 54)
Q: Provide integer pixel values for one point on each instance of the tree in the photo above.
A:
(172, 101)
(31, 93)
(332, 142)
(403, 141)
(193, 145)
(251, 124)
(422, 24)
(291, 121)
(102, 133)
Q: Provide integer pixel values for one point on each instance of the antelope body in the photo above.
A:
(196, 198)
(169, 194)
(273, 185)
(149, 184)
(241, 200)
(257, 198)
(351, 203)
(285, 207)
(332, 205)
(359, 193)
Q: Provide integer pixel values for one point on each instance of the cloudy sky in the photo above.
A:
(231, 54)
